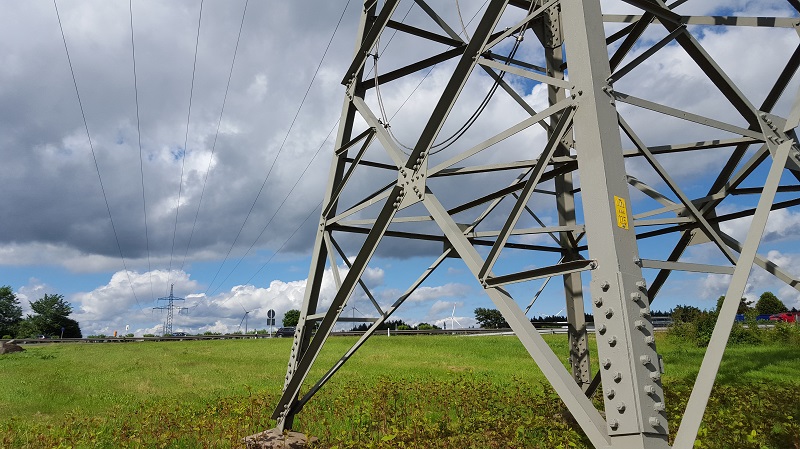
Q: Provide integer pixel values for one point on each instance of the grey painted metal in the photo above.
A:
(598, 232)
(620, 307)
(690, 423)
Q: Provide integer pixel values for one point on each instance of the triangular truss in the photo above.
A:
(549, 132)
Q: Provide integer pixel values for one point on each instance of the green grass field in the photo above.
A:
(436, 391)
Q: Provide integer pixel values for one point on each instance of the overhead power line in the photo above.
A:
(280, 149)
(94, 156)
(185, 143)
(216, 134)
(141, 159)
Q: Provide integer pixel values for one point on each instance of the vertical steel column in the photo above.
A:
(630, 366)
(550, 34)
(302, 337)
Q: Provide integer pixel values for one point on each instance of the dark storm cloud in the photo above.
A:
(52, 194)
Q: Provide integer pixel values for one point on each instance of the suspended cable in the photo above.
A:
(141, 159)
(306, 169)
(301, 175)
(441, 146)
(284, 243)
(185, 143)
(280, 206)
(94, 156)
(280, 149)
(216, 134)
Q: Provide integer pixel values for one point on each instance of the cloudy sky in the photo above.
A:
(223, 202)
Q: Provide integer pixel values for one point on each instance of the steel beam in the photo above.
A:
(597, 230)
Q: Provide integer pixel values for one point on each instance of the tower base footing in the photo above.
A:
(275, 439)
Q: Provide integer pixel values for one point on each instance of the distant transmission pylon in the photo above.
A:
(170, 307)
(537, 174)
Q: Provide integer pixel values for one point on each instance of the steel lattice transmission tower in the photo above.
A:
(569, 164)
(170, 308)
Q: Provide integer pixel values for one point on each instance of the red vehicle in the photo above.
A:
(789, 317)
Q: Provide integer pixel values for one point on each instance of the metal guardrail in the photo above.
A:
(543, 328)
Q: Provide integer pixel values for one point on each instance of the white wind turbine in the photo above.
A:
(453, 319)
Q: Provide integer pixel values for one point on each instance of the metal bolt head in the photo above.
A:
(645, 359)
(655, 376)
(609, 312)
(641, 284)
(650, 389)
(598, 301)
(621, 407)
(658, 406)
(607, 363)
(639, 324)
(605, 286)
(602, 329)
(613, 424)
(650, 340)
(611, 393)
(617, 377)
(654, 421)
(612, 341)
(636, 296)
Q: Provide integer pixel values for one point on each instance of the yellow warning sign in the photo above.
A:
(622, 212)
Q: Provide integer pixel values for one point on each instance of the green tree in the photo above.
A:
(744, 305)
(10, 311)
(685, 314)
(291, 318)
(51, 315)
(490, 318)
(768, 303)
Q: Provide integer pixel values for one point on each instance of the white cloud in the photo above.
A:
(450, 290)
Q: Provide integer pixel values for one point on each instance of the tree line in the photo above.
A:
(50, 317)
(767, 304)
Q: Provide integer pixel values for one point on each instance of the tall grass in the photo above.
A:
(448, 392)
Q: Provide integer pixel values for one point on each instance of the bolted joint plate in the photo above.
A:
(773, 129)
(629, 364)
(412, 183)
(552, 28)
